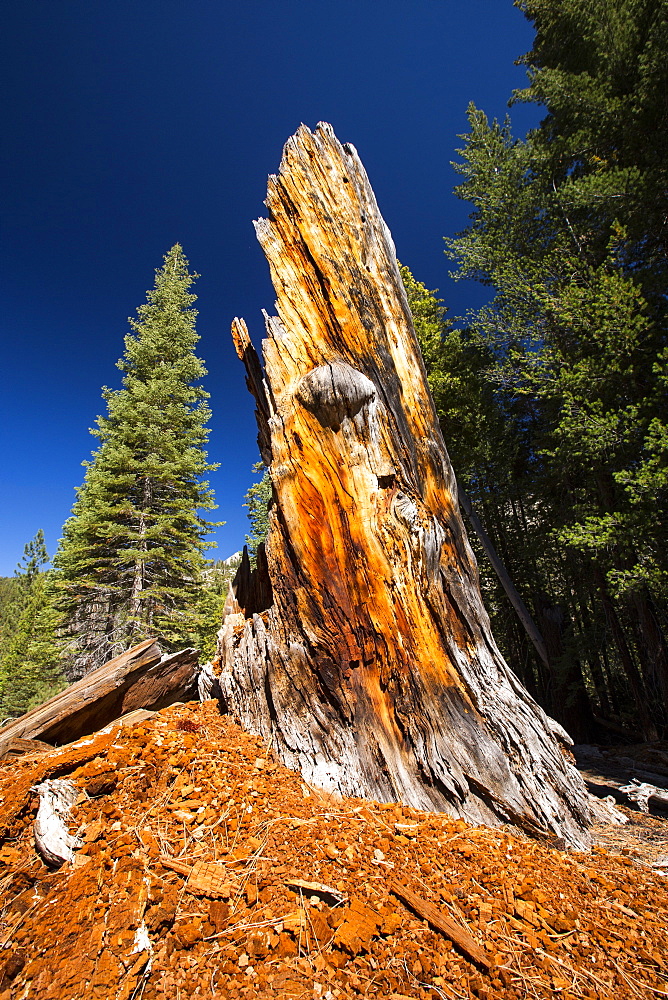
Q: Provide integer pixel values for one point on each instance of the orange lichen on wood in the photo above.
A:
(204, 878)
(361, 644)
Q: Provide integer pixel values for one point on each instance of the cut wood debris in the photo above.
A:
(204, 878)
(310, 889)
(138, 680)
(207, 871)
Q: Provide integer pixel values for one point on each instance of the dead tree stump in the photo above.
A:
(360, 645)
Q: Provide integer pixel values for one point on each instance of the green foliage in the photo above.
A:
(553, 397)
(14, 591)
(484, 437)
(573, 333)
(30, 650)
(34, 557)
(31, 654)
(258, 499)
(130, 561)
(10, 603)
(457, 362)
(599, 68)
(9, 586)
(210, 603)
(568, 229)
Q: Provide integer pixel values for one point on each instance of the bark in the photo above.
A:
(140, 678)
(98, 639)
(138, 581)
(594, 655)
(361, 646)
(653, 644)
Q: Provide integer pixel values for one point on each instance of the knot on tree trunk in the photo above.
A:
(334, 391)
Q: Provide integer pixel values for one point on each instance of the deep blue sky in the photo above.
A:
(131, 125)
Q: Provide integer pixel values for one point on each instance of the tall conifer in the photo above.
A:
(130, 559)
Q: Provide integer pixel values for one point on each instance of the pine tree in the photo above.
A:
(130, 559)
(34, 557)
(30, 650)
(210, 606)
(258, 499)
(17, 588)
(31, 661)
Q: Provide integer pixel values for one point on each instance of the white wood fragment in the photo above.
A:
(641, 793)
(606, 811)
(208, 685)
(53, 841)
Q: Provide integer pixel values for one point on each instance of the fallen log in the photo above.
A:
(141, 678)
(360, 645)
(642, 794)
(608, 773)
(611, 762)
(21, 748)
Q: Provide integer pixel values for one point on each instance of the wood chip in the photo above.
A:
(205, 878)
(601, 917)
(324, 892)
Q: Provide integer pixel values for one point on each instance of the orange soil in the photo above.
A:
(218, 919)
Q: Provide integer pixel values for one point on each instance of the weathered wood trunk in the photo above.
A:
(140, 678)
(360, 645)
